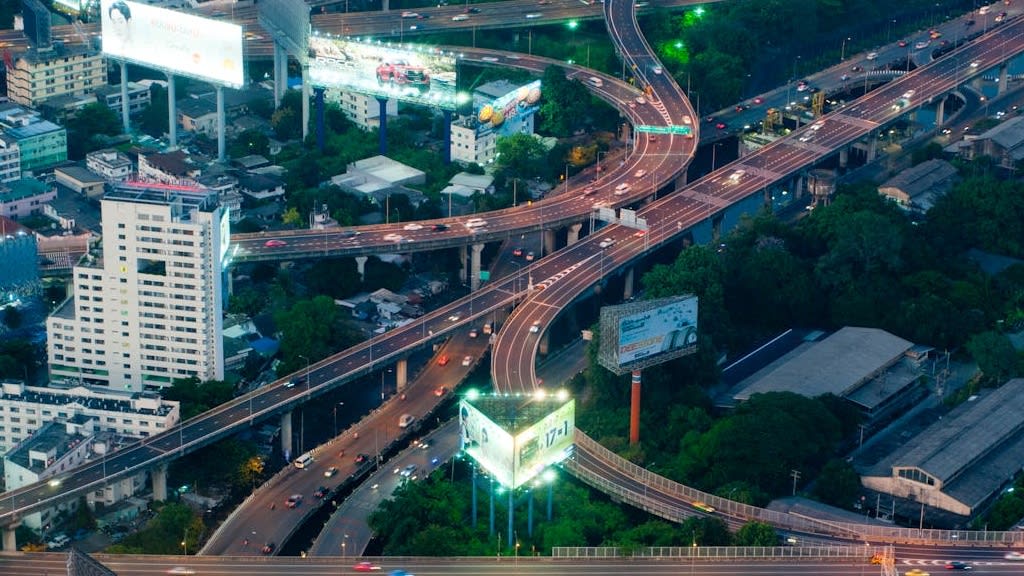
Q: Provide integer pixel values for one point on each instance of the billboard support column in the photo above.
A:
(124, 97)
(447, 137)
(462, 263)
(492, 507)
(574, 234)
(280, 73)
(551, 497)
(221, 147)
(382, 148)
(549, 241)
(305, 101)
(529, 512)
(401, 374)
(472, 467)
(627, 284)
(511, 516)
(172, 114)
(319, 100)
(634, 410)
(286, 434)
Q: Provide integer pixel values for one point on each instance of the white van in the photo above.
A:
(405, 420)
(304, 460)
(595, 81)
(487, 328)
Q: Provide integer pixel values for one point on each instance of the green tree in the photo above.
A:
(521, 155)
(756, 534)
(291, 217)
(12, 317)
(286, 123)
(153, 119)
(995, 355)
(838, 484)
(250, 141)
(197, 397)
(89, 127)
(83, 518)
(564, 105)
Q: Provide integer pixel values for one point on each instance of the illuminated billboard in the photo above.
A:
(507, 114)
(516, 438)
(200, 48)
(424, 76)
(641, 334)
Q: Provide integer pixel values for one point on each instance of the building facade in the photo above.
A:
(25, 197)
(38, 75)
(138, 98)
(42, 143)
(10, 159)
(147, 311)
(363, 109)
(112, 165)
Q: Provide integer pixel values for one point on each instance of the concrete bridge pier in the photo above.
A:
(286, 434)
(544, 344)
(627, 283)
(10, 537)
(474, 266)
(401, 374)
(872, 151)
(307, 92)
(549, 242)
(574, 234)
(463, 255)
(844, 156)
(940, 111)
(280, 73)
(1004, 78)
(361, 267)
(159, 477)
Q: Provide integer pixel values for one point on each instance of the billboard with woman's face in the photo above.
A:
(200, 48)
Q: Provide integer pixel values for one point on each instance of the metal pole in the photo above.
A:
(491, 491)
(551, 492)
(511, 515)
(473, 485)
(529, 512)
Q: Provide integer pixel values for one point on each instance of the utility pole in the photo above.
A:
(796, 476)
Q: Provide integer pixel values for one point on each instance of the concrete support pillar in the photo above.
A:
(10, 539)
(463, 256)
(634, 409)
(172, 114)
(799, 184)
(1004, 78)
(361, 267)
(280, 73)
(125, 123)
(844, 156)
(549, 242)
(474, 266)
(321, 127)
(627, 284)
(447, 146)
(401, 374)
(385, 5)
(382, 144)
(306, 95)
(681, 180)
(286, 435)
(222, 155)
(940, 111)
(574, 234)
(159, 477)
(231, 282)
(544, 343)
(872, 147)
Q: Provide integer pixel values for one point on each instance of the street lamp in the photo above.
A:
(306, 358)
(714, 149)
(842, 51)
(344, 546)
(336, 417)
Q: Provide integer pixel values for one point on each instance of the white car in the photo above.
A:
(408, 470)
(641, 100)
(621, 189)
(806, 137)
(687, 120)
(640, 173)
(735, 176)
(392, 237)
(461, 18)
(410, 14)
(656, 69)
(817, 125)
(453, 318)
(535, 327)
(489, 59)
(921, 45)
(475, 223)
(976, 63)
(412, 227)
(466, 361)
(872, 55)
(1014, 556)
(606, 242)
(908, 94)
(533, 15)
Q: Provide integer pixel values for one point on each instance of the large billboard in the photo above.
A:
(506, 115)
(424, 76)
(516, 438)
(200, 48)
(641, 334)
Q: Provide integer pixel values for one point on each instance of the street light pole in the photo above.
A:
(842, 51)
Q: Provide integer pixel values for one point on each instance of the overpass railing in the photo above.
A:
(723, 552)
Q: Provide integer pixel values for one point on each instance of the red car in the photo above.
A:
(365, 567)
(268, 548)
(443, 360)
(275, 243)
(758, 100)
(903, 43)
(402, 73)
(721, 126)
(440, 391)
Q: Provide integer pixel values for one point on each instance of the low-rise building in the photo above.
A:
(80, 180)
(228, 195)
(198, 115)
(378, 173)
(10, 159)
(42, 73)
(24, 197)
(465, 185)
(261, 186)
(112, 165)
(138, 97)
(42, 143)
(1004, 143)
(168, 168)
(917, 188)
(363, 109)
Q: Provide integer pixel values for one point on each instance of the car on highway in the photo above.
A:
(709, 119)
(408, 14)
(475, 223)
(467, 360)
(957, 565)
(268, 548)
(533, 15)
(473, 333)
(640, 173)
(360, 458)
(640, 100)
(443, 360)
(921, 45)
(453, 318)
(440, 391)
(857, 69)
(365, 567)
(530, 256)
(403, 572)
(297, 380)
(517, 251)
(330, 472)
(1014, 556)
(350, 234)
(844, 77)
(472, 10)
(535, 327)
(606, 243)
(320, 492)
(656, 69)
(721, 126)
(293, 501)
(735, 176)
(393, 237)
(640, 233)
(405, 420)
(439, 227)
(802, 86)
(904, 43)
(181, 570)
(915, 572)
(976, 63)
(412, 227)
(408, 471)
(463, 18)
(872, 55)
(275, 243)
(621, 189)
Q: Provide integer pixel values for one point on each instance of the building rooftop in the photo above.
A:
(175, 163)
(81, 173)
(11, 228)
(924, 182)
(59, 51)
(196, 107)
(517, 413)
(22, 188)
(1009, 134)
(50, 437)
(106, 400)
(163, 194)
(836, 365)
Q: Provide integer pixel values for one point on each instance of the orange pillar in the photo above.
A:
(634, 410)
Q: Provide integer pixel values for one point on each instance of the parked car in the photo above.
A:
(402, 73)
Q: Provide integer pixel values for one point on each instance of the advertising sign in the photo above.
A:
(505, 115)
(547, 442)
(425, 76)
(204, 49)
(487, 443)
(663, 329)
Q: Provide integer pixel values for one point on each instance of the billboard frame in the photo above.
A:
(611, 316)
(288, 23)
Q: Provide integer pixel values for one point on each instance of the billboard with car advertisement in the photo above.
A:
(505, 116)
(421, 76)
(641, 334)
(515, 438)
(200, 48)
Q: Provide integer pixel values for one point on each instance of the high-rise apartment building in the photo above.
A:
(147, 310)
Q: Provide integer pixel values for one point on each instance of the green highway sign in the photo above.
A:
(684, 130)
